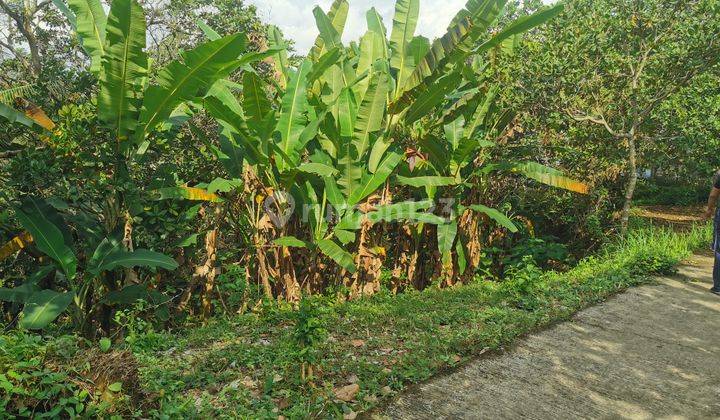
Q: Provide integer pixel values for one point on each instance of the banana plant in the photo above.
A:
(134, 100)
(71, 286)
(454, 139)
(332, 136)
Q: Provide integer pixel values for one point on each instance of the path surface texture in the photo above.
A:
(652, 352)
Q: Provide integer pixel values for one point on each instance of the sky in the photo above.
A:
(295, 18)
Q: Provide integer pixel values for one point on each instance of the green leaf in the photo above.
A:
(189, 241)
(255, 102)
(291, 241)
(404, 24)
(500, 218)
(124, 68)
(91, 20)
(413, 211)
(371, 112)
(375, 24)
(279, 58)
(446, 234)
(328, 33)
(234, 129)
(318, 169)
(65, 10)
(454, 47)
(478, 118)
(345, 237)
(418, 48)
(127, 295)
(14, 116)
(425, 181)
(186, 79)
(48, 237)
(454, 131)
(426, 71)
(104, 249)
(429, 99)
(461, 258)
(327, 60)
(337, 254)
(209, 32)
(43, 307)
(137, 258)
(292, 118)
(40, 274)
(224, 185)
(348, 113)
(372, 48)
(371, 183)
(338, 16)
(115, 387)
(334, 196)
(521, 25)
(19, 294)
(104, 344)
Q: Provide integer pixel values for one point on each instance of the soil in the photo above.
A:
(652, 352)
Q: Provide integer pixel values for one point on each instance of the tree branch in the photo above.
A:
(9, 154)
(15, 16)
(595, 119)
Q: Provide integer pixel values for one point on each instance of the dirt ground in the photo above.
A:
(652, 352)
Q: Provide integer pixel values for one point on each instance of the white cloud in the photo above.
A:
(296, 20)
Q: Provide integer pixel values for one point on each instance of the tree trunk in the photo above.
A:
(631, 184)
(209, 271)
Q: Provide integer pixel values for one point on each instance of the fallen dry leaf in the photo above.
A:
(282, 403)
(456, 358)
(248, 382)
(358, 343)
(347, 393)
(370, 398)
(350, 416)
(386, 390)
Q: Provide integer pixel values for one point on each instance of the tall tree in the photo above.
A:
(613, 63)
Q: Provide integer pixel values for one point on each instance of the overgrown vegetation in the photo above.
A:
(230, 225)
(256, 365)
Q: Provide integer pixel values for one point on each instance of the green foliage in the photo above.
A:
(604, 81)
(424, 331)
(41, 307)
(310, 330)
(30, 387)
(662, 192)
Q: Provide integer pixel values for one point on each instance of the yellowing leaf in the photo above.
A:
(15, 244)
(188, 193)
(551, 177)
(36, 114)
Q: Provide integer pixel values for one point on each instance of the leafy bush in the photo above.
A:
(30, 386)
(522, 284)
(668, 193)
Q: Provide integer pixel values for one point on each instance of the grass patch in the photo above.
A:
(249, 365)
